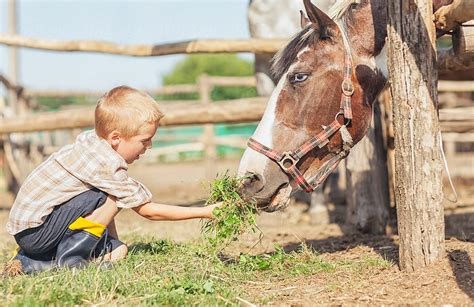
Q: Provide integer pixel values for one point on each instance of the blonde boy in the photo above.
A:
(64, 212)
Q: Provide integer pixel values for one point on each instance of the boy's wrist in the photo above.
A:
(211, 209)
(208, 211)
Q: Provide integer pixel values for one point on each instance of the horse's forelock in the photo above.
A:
(287, 56)
(308, 36)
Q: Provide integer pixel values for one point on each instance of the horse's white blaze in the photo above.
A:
(253, 161)
(381, 61)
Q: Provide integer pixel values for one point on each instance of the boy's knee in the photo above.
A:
(110, 201)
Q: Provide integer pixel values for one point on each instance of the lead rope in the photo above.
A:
(446, 168)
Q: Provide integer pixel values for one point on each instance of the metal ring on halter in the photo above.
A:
(347, 88)
(287, 157)
(346, 121)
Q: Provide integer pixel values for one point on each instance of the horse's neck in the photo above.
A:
(366, 28)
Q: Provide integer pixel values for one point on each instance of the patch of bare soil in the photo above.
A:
(448, 282)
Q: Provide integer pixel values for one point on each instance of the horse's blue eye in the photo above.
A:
(299, 77)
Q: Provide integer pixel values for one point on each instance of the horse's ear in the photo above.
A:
(319, 19)
(304, 20)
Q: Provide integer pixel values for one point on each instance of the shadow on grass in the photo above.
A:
(383, 245)
(155, 247)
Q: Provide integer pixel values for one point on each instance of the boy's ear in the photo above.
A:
(114, 138)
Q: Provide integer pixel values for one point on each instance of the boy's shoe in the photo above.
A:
(26, 264)
(75, 250)
(106, 245)
(77, 247)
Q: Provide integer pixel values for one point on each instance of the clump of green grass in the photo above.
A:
(233, 218)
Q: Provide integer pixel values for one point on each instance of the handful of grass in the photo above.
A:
(233, 218)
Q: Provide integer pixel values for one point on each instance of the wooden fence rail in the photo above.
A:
(164, 90)
(231, 111)
(447, 59)
(144, 50)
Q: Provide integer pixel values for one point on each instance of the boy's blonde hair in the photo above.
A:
(126, 110)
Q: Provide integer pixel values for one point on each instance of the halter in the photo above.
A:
(289, 159)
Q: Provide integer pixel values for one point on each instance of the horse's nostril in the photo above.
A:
(251, 184)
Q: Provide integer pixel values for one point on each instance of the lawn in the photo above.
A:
(162, 272)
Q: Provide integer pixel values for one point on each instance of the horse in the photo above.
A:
(281, 19)
(329, 75)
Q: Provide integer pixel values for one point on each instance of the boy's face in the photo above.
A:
(131, 148)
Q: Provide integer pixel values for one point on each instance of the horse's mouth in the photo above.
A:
(279, 200)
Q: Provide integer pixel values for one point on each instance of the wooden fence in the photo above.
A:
(64, 125)
(456, 122)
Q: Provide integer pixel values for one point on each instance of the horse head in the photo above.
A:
(329, 75)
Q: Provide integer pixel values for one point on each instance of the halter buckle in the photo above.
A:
(287, 161)
(346, 121)
(347, 88)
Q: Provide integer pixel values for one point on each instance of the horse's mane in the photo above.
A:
(286, 56)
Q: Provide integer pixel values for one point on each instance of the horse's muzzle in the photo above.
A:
(268, 197)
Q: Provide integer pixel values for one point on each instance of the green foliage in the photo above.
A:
(234, 217)
(188, 70)
(444, 42)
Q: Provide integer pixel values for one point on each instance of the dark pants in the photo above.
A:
(43, 240)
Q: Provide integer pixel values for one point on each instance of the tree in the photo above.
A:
(418, 168)
(188, 70)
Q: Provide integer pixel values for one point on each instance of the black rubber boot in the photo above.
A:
(31, 264)
(106, 245)
(75, 249)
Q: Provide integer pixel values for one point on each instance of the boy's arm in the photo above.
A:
(154, 211)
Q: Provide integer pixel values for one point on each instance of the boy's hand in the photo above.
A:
(212, 207)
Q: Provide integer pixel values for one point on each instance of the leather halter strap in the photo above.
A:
(288, 160)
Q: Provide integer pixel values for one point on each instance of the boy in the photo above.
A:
(64, 212)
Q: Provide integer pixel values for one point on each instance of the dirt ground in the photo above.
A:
(450, 281)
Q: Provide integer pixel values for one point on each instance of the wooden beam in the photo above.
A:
(449, 61)
(463, 38)
(233, 111)
(232, 81)
(458, 137)
(143, 50)
(13, 59)
(454, 14)
(455, 86)
(164, 90)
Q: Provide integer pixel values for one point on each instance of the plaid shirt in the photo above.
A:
(89, 162)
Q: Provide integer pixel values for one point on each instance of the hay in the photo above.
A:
(12, 268)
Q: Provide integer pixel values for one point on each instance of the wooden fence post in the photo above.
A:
(13, 55)
(210, 154)
(367, 181)
(418, 167)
